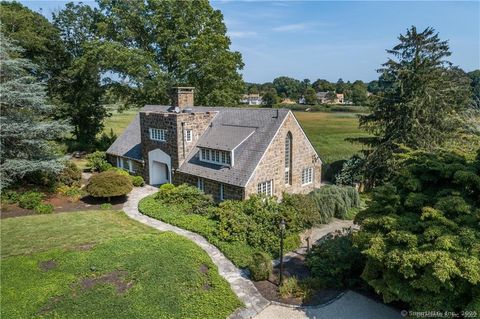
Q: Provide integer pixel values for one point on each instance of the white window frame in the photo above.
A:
(216, 156)
(265, 188)
(158, 134)
(307, 176)
(201, 184)
(188, 135)
(121, 164)
(222, 191)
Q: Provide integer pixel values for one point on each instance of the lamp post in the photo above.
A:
(282, 233)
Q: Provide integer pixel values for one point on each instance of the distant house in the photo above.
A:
(287, 101)
(251, 99)
(228, 152)
(322, 98)
(325, 98)
(339, 99)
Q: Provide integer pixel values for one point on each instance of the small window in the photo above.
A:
(307, 176)
(265, 188)
(158, 134)
(222, 189)
(200, 184)
(188, 135)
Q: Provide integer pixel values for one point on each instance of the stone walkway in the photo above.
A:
(240, 284)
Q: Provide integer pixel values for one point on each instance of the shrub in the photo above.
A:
(351, 172)
(118, 170)
(291, 288)
(261, 266)
(109, 184)
(74, 192)
(97, 161)
(44, 208)
(30, 200)
(335, 201)
(137, 181)
(70, 175)
(10, 197)
(304, 210)
(336, 262)
(194, 199)
(106, 206)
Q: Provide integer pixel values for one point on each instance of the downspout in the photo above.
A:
(183, 139)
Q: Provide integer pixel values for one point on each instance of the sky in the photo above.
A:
(332, 39)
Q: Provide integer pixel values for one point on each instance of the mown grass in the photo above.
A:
(119, 121)
(164, 275)
(328, 131)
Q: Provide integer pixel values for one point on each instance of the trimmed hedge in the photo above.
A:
(336, 201)
(109, 184)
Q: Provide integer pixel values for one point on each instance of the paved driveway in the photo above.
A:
(350, 306)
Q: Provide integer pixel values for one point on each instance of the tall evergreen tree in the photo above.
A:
(28, 134)
(419, 106)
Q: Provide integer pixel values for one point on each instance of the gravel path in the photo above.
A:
(240, 284)
(350, 306)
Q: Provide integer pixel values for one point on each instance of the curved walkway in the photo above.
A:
(241, 286)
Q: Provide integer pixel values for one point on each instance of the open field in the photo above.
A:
(326, 130)
(104, 265)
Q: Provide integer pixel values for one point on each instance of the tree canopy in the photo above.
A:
(420, 233)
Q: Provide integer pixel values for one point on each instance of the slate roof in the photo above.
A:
(247, 131)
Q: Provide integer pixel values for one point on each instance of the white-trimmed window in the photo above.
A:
(265, 188)
(188, 135)
(125, 164)
(215, 156)
(200, 184)
(288, 159)
(157, 134)
(222, 190)
(307, 175)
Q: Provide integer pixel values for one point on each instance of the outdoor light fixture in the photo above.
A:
(282, 233)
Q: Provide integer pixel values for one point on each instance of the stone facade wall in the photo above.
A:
(272, 165)
(175, 145)
(137, 166)
(211, 187)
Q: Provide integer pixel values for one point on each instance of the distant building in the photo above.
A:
(251, 99)
(287, 101)
(339, 99)
(323, 98)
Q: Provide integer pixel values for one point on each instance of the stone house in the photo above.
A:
(227, 152)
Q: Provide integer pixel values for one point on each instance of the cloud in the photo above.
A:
(290, 27)
(242, 34)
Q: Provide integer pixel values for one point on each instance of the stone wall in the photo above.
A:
(211, 187)
(272, 165)
(175, 123)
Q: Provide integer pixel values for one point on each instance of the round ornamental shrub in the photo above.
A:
(137, 181)
(70, 176)
(109, 184)
(30, 200)
(261, 266)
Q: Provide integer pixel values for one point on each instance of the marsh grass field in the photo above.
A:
(326, 130)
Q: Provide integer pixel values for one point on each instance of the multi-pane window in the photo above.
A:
(307, 175)
(157, 134)
(200, 184)
(265, 188)
(188, 135)
(288, 159)
(125, 164)
(215, 156)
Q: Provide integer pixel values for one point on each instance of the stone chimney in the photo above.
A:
(182, 97)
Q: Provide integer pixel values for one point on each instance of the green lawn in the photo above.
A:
(104, 265)
(326, 130)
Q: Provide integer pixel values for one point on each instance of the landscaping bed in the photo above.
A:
(103, 265)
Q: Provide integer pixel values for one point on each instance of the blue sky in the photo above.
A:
(333, 39)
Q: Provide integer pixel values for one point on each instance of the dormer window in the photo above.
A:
(158, 134)
(215, 156)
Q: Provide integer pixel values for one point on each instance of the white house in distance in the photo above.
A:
(251, 99)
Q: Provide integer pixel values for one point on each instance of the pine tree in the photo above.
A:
(421, 99)
(28, 134)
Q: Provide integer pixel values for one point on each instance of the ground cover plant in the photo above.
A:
(238, 228)
(104, 265)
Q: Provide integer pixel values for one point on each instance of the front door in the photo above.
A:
(159, 174)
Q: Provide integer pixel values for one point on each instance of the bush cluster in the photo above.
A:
(261, 266)
(10, 197)
(70, 175)
(97, 162)
(30, 199)
(137, 181)
(194, 199)
(44, 208)
(73, 192)
(109, 184)
(335, 262)
(336, 201)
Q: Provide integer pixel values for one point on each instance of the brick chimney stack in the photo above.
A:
(182, 97)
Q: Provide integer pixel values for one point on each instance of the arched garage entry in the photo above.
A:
(159, 167)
